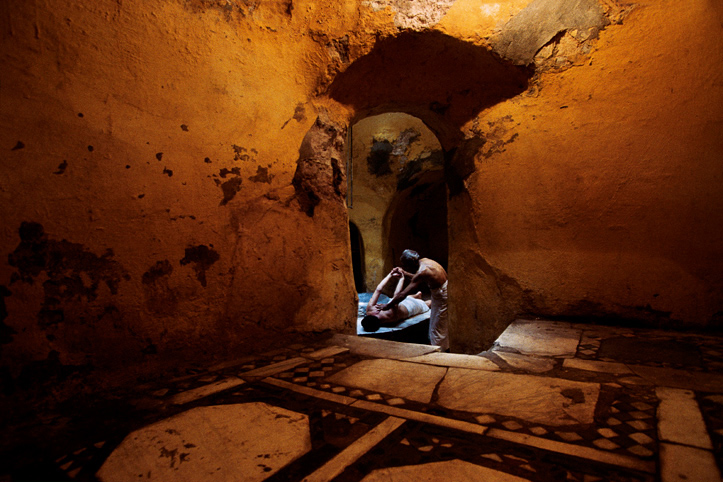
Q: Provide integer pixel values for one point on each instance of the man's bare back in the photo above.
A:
(420, 271)
(432, 273)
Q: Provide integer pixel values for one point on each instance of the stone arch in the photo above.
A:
(443, 81)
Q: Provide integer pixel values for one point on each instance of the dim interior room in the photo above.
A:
(189, 184)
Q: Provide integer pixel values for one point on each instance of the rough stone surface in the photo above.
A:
(520, 232)
(407, 380)
(321, 172)
(534, 364)
(551, 402)
(540, 338)
(528, 31)
(680, 420)
(415, 15)
(388, 349)
(680, 463)
(450, 470)
(455, 360)
(229, 442)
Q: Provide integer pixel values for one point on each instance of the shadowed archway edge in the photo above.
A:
(442, 80)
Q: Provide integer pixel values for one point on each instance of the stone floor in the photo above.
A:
(551, 401)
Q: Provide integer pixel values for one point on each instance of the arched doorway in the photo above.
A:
(445, 83)
(398, 199)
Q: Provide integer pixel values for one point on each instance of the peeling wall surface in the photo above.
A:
(173, 173)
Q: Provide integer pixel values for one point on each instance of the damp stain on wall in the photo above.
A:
(157, 271)
(262, 175)
(231, 186)
(299, 114)
(159, 297)
(243, 154)
(202, 258)
(379, 157)
(383, 154)
(72, 273)
(62, 167)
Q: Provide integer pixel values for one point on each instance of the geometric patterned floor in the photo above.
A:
(551, 401)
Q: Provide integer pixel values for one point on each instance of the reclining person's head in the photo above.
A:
(370, 323)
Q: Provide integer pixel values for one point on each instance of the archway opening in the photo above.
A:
(398, 197)
(445, 83)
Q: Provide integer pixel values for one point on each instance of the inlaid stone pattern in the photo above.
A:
(414, 447)
(545, 414)
(708, 349)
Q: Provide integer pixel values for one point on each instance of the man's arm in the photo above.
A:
(413, 287)
(403, 273)
(380, 287)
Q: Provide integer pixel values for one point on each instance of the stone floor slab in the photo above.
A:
(680, 420)
(455, 360)
(275, 367)
(326, 352)
(679, 463)
(411, 381)
(550, 401)
(349, 398)
(457, 470)
(596, 366)
(533, 364)
(247, 441)
(381, 348)
(205, 391)
(541, 338)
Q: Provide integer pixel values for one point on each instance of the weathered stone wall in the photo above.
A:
(597, 193)
(148, 153)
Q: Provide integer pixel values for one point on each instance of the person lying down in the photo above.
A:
(412, 305)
